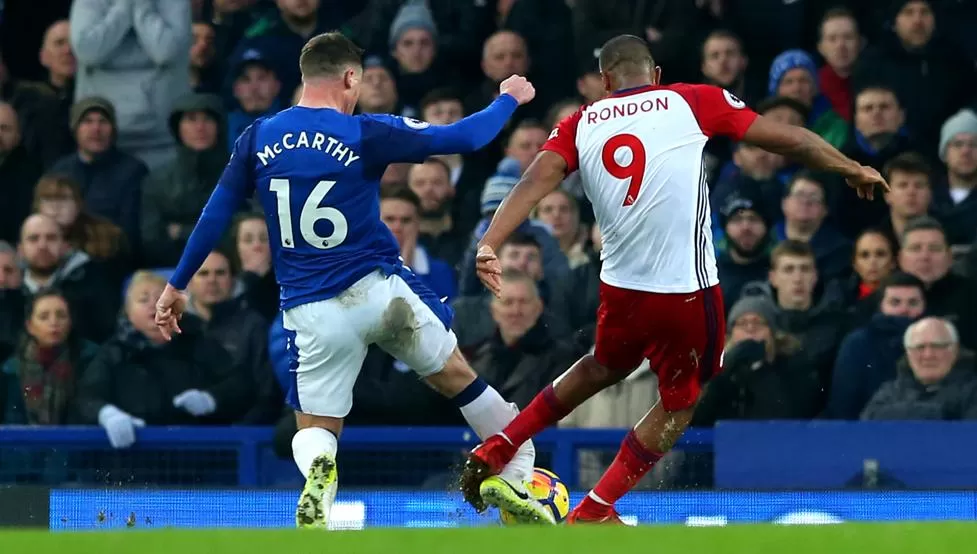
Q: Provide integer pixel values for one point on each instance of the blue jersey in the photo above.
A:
(317, 174)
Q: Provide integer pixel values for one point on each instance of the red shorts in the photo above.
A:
(681, 335)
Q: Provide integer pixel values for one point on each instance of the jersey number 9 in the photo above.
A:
(311, 213)
(634, 172)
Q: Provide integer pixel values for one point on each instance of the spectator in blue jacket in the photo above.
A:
(868, 355)
(805, 209)
(400, 210)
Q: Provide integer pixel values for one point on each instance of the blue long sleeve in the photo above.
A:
(206, 234)
(474, 131)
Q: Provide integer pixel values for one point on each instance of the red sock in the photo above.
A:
(545, 410)
(632, 462)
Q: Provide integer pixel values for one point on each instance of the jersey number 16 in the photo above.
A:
(311, 213)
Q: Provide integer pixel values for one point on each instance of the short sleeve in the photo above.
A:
(719, 112)
(563, 140)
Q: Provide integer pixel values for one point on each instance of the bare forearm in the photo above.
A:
(814, 152)
(541, 178)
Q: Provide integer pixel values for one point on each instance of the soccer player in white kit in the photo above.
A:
(639, 151)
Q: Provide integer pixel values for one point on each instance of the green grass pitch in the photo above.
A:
(892, 538)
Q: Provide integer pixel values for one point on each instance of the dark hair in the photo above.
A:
(403, 193)
(721, 33)
(923, 223)
(329, 55)
(528, 123)
(626, 55)
(73, 340)
(874, 86)
(444, 94)
(231, 266)
(230, 244)
(790, 247)
(907, 162)
(900, 279)
(809, 176)
(893, 248)
(522, 239)
(836, 13)
(774, 102)
(550, 120)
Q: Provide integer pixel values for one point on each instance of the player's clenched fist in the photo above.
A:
(519, 88)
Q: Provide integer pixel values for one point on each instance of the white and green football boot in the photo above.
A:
(318, 495)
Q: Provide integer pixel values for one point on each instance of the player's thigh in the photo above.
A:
(623, 329)
(687, 351)
(325, 352)
(415, 326)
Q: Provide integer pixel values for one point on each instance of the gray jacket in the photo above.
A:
(905, 398)
(135, 53)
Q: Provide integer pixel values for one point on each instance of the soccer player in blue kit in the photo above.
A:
(316, 169)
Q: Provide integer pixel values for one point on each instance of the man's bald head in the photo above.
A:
(625, 59)
(504, 55)
(36, 223)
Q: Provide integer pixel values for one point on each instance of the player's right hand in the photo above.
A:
(169, 309)
(865, 180)
(519, 88)
(489, 270)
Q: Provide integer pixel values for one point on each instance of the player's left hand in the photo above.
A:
(489, 270)
(169, 309)
(865, 180)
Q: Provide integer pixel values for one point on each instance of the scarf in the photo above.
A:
(47, 381)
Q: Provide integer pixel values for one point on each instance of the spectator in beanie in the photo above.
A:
(590, 87)
(50, 262)
(868, 356)
(555, 264)
(138, 377)
(400, 211)
(135, 55)
(805, 209)
(414, 48)
(439, 234)
(930, 76)
(174, 195)
(745, 257)
(762, 376)
(215, 298)
(935, 382)
(954, 200)
(110, 179)
(839, 43)
(256, 89)
(19, 171)
(45, 369)
(926, 254)
(794, 75)
(59, 197)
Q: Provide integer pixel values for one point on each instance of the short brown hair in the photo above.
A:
(329, 55)
(838, 12)
(626, 55)
(907, 162)
(790, 247)
(403, 193)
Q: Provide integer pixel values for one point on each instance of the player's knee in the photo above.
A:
(597, 373)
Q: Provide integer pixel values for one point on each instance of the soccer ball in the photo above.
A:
(549, 489)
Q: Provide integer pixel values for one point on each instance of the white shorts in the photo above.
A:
(327, 340)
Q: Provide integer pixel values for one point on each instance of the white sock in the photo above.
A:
(488, 414)
(309, 443)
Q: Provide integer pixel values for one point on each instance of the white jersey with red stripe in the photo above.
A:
(639, 152)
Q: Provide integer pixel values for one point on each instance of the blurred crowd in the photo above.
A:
(117, 116)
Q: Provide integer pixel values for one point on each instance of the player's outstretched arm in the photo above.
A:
(803, 146)
(541, 178)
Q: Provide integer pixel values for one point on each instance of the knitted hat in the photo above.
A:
(787, 60)
(964, 121)
(498, 185)
(412, 15)
(251, 56)
(759, 305)
(85, 105)
(743, 199)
